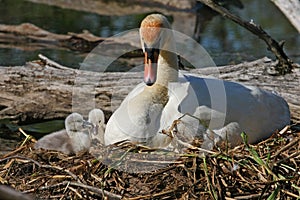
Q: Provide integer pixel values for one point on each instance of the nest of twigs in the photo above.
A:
(269, 169)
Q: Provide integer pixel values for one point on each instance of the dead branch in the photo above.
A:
(98, 191)
(285, 64)
(39, 38)
(40, 165)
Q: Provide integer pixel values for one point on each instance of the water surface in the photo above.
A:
(225, 41)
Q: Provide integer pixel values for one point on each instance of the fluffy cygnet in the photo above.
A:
(201, 125)
(230, 136)
(73, 139)
(96, 117)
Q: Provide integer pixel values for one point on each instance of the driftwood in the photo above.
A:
(291, 9)
(182, 10)
(29, 37)
(285, 64)
(44, 90)
(21, 35)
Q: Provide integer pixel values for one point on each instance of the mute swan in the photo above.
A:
(73, 139)
(96, 117)
(153, 106)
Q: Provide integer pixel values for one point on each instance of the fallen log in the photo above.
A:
(22, 35)
(44, 90)
(285, 64)
(291, 9)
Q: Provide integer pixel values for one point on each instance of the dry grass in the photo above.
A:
(269, 169)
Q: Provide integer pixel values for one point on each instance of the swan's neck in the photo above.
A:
(167, 69)
(156, 94)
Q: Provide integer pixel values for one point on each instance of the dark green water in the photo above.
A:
(225, 41)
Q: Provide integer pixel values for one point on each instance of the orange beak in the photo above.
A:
(150, 68)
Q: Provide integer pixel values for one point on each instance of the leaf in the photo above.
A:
(274, 193)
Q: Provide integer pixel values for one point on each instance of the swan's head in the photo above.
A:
(153, 36)
(76, 124)
(96, 117)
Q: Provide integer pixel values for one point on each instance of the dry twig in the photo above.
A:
(240, 173)
(285, 65)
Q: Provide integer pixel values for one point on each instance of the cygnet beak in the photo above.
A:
(87, 124)
(96, 129)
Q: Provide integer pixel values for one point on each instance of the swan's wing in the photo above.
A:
(258, 112)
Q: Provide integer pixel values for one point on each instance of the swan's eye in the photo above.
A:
(152, 54)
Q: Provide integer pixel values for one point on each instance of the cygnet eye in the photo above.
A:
(148, 120)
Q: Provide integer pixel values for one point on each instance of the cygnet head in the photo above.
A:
(96, 117)
(74, 123)
(78, 131)
(73, 139)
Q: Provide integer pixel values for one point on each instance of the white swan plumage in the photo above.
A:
(165, 95)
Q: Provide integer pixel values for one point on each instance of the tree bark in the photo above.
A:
(44, 90)
(291, 9)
